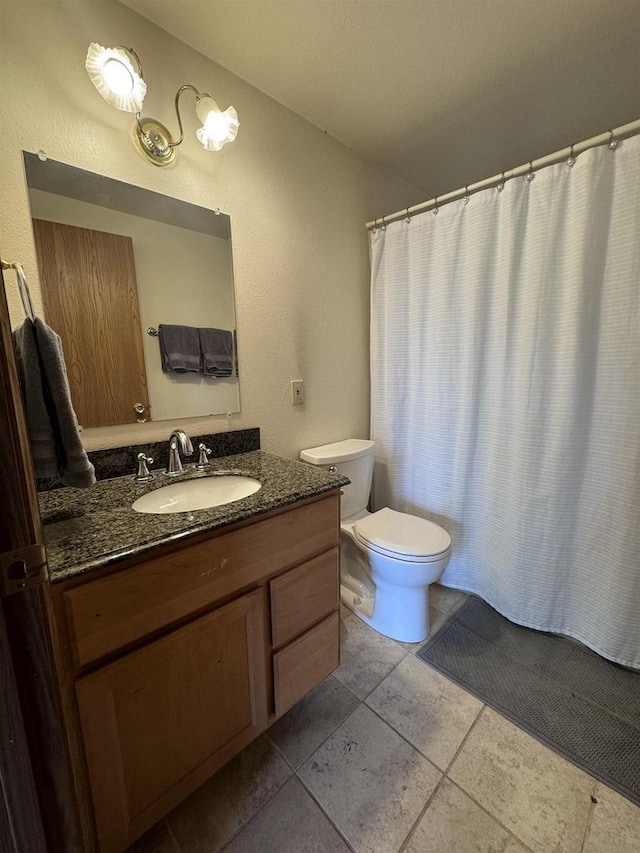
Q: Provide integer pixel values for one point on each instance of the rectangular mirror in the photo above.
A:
(115, 262)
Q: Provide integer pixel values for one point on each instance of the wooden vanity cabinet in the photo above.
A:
(177, 662)
(159, 721)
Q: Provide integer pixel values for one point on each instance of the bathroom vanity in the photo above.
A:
(185, 636)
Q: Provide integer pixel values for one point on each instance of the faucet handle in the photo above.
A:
(203, 461)
(143, 474)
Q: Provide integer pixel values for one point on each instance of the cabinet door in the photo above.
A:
(161, 720)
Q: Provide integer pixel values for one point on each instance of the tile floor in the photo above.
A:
(389, 756)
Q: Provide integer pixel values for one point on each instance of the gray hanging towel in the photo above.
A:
(179, 349)
(56, 447)
(235, 351)
(217, 351)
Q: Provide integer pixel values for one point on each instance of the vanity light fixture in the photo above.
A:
(116, 72)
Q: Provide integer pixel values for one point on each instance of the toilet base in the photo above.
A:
(396, 612)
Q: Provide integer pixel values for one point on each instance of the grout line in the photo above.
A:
(590, 814)
(478, 716)
(326, 814)
(423, 811)
(280, 752)
(466, 793)
(406, 740)
(492, 816)
(384, 678)
(266, 802)
(322, 742)
(386, 675)
(255, 814)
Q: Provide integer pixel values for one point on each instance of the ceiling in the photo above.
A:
(440, 92)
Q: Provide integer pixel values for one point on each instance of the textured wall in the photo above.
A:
(298, 202)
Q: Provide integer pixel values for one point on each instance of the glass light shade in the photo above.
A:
(112, 73)
(218, 127)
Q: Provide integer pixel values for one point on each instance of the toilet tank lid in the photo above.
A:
(339, 451)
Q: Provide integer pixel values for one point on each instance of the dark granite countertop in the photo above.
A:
(86, 529)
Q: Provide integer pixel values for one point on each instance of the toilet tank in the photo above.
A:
(353, 458)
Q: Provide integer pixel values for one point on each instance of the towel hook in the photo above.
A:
(153, 332)
(23, 287)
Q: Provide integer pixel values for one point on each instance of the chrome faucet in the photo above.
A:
(178, 437)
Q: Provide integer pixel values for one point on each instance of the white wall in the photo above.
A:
(298, 201)
(183, 277)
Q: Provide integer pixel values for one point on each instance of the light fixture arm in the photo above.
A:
(135, 56)
(179, 117)
(162, 149)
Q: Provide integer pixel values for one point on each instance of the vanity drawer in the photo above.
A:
(109, 613)
(304, 595)
(305, 662)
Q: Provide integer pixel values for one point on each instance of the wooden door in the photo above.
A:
(20, 819)
(90, 298)
(35, 776)
(162, 719)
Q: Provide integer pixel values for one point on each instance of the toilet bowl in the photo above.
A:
(388, 559)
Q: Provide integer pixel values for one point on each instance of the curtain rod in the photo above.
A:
(610, 136)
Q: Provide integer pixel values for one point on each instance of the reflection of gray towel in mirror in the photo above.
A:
(53, 427)
(217, 351)
(179, 349)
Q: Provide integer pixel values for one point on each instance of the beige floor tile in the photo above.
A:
(615, 824)
(219, 808)
(446, 600)
(426, 708)
(371, 782)
(455, 824)
(367, 657)
(290, 823)
(535, 793)
(305, 727)
(156, 840)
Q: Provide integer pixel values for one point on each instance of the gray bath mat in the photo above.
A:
(582, 706)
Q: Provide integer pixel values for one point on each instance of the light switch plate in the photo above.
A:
(297, 392)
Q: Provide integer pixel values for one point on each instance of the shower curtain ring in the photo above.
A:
(383, 227)
(465, 200)
(435, 207)
(529, 176)
(500, 185)
(571, 159)
(613, 142)
(407, 218)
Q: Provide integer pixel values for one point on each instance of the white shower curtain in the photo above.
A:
(505, 369)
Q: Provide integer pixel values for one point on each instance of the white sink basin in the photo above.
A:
(189, 495)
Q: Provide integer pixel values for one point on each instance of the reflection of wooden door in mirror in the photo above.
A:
(90, 298)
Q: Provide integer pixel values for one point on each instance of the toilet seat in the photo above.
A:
(402, 536)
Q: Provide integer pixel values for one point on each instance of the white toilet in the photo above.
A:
(388, 558)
